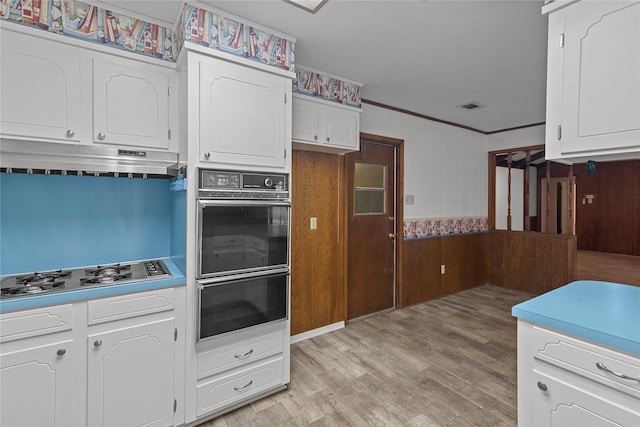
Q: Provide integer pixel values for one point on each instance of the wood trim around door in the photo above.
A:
(399, 144)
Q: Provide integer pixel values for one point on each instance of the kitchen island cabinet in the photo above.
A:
(579, 356)
(593, 89)
(320, 125)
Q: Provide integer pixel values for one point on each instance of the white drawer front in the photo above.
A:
(238, 386)
(131, 305)
(239, 354)
(39, 321)
(588, 360)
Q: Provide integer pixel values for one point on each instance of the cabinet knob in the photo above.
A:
(207, 155)
(328, 139)
(315, 137)
(102, 136)
(97, 343)
(542, 386)
(61, 352)
(70, 133)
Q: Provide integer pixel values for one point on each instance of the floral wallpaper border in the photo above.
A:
(434, 227)
(94, 24)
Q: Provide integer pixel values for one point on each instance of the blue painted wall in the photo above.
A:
(53, 221)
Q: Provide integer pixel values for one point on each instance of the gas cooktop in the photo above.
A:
(44, 282)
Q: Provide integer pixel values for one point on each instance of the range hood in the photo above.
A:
(34, 155)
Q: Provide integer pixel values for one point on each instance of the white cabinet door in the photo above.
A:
(130, 105)
(341, 128)
(305, 122)
(36, 385)
(131, 376)
(558, 404)
(39, 89)
(320, 126)
(593, 93)
(245, 115)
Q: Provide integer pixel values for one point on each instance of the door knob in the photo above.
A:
(392, 235)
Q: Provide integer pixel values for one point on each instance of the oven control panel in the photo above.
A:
(214, 180)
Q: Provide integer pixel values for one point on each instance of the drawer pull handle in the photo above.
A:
(238, 388)
(61, 352)
(542, 386)
(602, 367)
(240, 356)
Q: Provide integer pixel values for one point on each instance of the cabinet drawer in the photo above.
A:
(239, 354)
(238, 386)
(39, 321)
(588, 360)
(131, 305)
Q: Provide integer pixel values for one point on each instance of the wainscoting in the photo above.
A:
(531, 262)
(464, 257)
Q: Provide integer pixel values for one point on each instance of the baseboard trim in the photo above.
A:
(316, 332)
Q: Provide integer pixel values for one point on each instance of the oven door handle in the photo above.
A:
(242, 276)
(245, 202)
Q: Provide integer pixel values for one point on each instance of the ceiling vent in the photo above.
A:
(470, 105)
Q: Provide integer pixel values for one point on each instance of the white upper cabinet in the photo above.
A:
(321, 126)
(39, 89)
(244, 115)
(593, 81)
(131, 105)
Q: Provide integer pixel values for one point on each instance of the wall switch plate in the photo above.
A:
(313, 223)
(442, 269)
(408, 199)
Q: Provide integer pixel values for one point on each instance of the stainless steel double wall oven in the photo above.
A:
(243, 250)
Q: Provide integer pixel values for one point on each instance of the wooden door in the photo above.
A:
(558, 205)
(372, 240)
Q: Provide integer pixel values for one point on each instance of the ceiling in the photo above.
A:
(424, 56)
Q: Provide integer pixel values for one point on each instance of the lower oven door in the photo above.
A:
(242, 302)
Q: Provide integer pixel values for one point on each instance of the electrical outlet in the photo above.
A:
(442, 269)
(313, 223)
(408, 199)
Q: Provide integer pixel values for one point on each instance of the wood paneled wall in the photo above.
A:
(611, 223)
(531, 262)
(317, 256)
(464, 257)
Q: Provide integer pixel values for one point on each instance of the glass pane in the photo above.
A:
(369, 175)
(369, 201)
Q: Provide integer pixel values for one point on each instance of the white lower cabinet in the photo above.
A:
(105, 362)
(36, 385)
(37, 367)
(130, 373)
(565, 381)
(225, 390)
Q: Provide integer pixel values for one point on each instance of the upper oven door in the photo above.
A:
(239, 236)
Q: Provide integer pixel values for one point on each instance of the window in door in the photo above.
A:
(370, 194)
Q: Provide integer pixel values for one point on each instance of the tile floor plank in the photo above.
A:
(446, 362)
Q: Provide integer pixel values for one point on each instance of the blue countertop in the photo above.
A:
(34, 301)
(602, 312)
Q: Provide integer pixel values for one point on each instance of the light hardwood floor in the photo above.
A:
(609, 267)
(447, 362)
